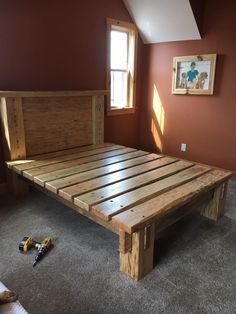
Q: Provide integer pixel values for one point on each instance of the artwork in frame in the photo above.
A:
(194, 74)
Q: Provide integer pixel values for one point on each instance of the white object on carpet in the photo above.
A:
(11, 308)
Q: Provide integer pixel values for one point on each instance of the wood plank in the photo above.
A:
(13, 128)
(59, 153)
(30, 174)
(155, 171)
(172, 217)
(56, 123)
(72, 191)
(125, 242)
(215, 208)
(140, 215)
(138, 262)
(98, 119)
(64, 182)
(113, 206)
(65, 93)
(55, 160)
(127, 155)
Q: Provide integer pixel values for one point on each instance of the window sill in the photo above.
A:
(115, 112)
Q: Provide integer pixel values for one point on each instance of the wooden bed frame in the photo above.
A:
(55, 142)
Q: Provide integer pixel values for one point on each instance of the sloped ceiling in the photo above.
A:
(163, 20)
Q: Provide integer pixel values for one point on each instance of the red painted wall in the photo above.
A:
(58, 45)
(207, 124)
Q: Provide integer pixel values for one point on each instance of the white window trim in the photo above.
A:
(132, 30)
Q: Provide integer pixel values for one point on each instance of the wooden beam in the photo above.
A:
(98, 119)
(138, 261)
(13, 128)
(169, 219)
(125, 242)
(52, 93)
(215, 208)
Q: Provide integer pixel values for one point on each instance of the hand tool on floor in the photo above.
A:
(43, 248)
(28, 242)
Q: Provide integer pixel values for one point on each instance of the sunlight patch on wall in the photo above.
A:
(156, 136)
(158, 109)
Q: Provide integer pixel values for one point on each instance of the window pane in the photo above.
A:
(119, 50)
(119, 83)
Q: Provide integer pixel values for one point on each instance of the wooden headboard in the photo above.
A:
(40, 122)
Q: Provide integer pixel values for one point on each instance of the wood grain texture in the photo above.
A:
(139, 216)
(172, 217)
(31, 173)
(215, 208)
(148, 175)
(56, 123)
(11, 164)
(61, 93)
(128, 153)
(55, 185)
(82, 152)
(13, 128)
(139, 261)
(98, 119)
(94, 184)
(124, 201)
(125, 242)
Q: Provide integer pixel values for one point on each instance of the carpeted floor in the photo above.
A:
(195, 263)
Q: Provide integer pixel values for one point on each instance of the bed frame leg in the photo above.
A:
(136, 252)
(215, 208)
(17, 185)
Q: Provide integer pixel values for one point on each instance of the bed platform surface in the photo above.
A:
(55, 142)
(128, 186)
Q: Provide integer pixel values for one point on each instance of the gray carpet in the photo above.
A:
(195, 263)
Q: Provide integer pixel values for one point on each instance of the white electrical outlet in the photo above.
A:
(183, 147)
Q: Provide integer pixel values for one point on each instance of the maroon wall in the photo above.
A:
(57, 45)
(207, 124)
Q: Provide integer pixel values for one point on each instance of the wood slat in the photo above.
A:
(30, 174)
(95, 173)
(129, 154)
(123, 202)
(64, 152)
(139, 216)
(87, 200)
(72, 191)
(55, 160)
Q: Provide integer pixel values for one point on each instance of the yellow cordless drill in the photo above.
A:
(28, 242)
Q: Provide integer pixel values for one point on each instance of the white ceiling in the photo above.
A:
(163, 20)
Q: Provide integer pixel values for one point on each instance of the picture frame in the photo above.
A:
(194, 74)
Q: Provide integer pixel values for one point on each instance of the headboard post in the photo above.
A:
(13, 128)
(98, 119)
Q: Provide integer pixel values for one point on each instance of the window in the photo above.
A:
(122, 38)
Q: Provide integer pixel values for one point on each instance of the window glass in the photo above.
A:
(119, 50)
(119, 84)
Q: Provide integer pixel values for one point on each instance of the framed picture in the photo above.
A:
(194, 74)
